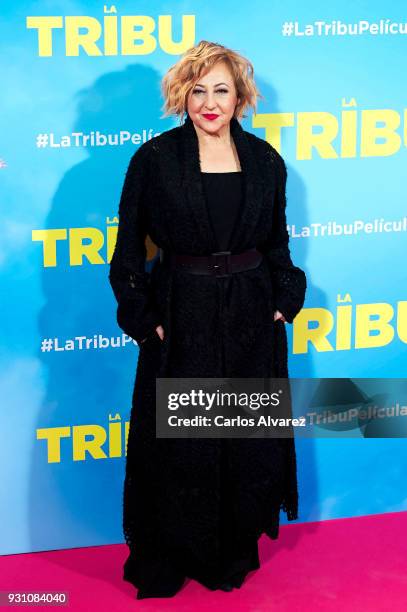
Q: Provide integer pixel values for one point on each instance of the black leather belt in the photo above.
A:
(222, 263)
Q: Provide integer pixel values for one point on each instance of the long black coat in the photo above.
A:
(214, 327)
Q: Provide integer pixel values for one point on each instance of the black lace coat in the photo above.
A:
(213, 327)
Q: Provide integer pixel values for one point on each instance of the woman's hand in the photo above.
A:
(158, 330)
(279, 315)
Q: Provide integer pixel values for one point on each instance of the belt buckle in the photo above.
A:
(221, 257)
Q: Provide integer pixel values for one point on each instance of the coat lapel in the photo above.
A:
(253, 188)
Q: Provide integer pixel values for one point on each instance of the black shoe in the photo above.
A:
(237, 580)
(146, 594)
(166, 584)
(159, 592)
(226, 586)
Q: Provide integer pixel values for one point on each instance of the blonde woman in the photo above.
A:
(211, 196)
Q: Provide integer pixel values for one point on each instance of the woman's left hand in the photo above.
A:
(279, 315)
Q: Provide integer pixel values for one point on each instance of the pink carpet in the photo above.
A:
(356, 564)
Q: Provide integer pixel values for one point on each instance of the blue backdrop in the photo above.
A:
(80, 92)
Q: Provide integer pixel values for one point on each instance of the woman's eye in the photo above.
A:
(197, 91)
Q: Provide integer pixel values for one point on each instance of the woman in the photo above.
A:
(196, 507)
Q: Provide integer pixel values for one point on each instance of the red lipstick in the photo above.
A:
(210, 116)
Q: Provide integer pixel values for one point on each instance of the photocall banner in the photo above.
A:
(80, 93)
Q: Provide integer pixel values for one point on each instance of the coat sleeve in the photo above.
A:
(289, 281)
(136, 314)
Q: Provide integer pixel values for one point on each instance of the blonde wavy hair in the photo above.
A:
(181, 78)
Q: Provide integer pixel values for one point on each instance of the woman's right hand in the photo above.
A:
(158, 330)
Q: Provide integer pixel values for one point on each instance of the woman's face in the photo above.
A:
(214, 95)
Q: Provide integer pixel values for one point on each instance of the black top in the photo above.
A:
(224, 194)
